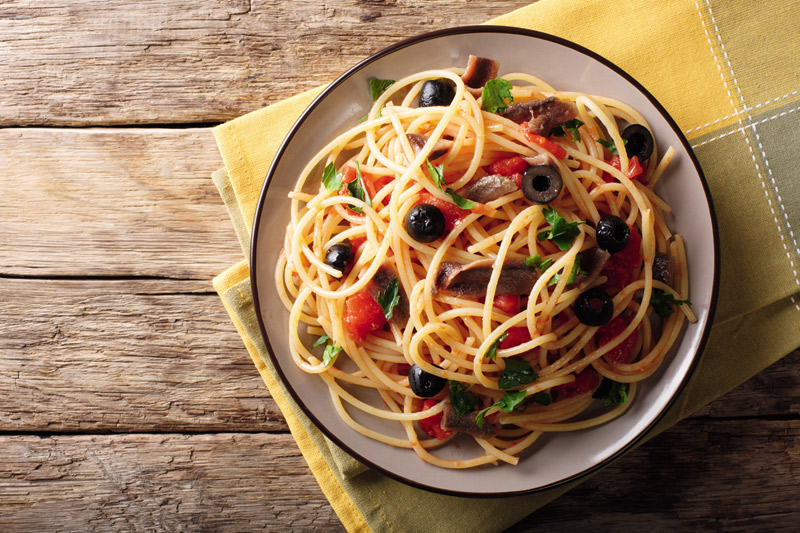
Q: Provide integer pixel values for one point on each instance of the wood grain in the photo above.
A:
(119, 356)
(119, 62)
(112, 202)
(257, 481)
(230, 482)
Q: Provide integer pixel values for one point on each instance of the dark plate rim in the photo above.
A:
(456, 31)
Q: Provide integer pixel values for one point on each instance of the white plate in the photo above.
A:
(566, 66)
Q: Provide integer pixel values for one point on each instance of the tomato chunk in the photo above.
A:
(635, 169)
(554, 148)
(433, 424)
(587, 380)
(373, 185)
(508, 166)
(607, 333)
(516, 336)
(453, 214)
(507, 303)
(620, 266)
(362, 315)
(517, 179)
(348, 174)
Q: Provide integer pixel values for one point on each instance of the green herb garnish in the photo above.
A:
(507, 403)
(331, 179)
(437, 175)
(562, 233)
(518, 372)
(491, 353)
(576, 269)
(496, 95)
(611, 392)
(610, 146)
(463, 402)
(322, 340)
(538, 262)
(377, 87)
(569, 126)
(329, 356)
(356, 190)
(389, 298)
(662, 302)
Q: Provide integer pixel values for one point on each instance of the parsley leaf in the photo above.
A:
(389, 298)
(491, 353)
(329, 356)
(463, 203)
(576, 269)
(662, 302)
(496, 96)
(378, 86)
(536, 261)
(518, 372)
(356, 189)
(610, 146)
(542, 398)
(611, 392)
(569, 126)
(463, 402)
(562, 233)
(322, 340)
(331, 179)
(437, 175)
(507, 403)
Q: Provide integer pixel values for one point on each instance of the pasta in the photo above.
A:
(477, 327)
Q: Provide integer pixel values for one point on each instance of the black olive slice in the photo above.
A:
(541, 184)
(594, 307)
(640, 142)
(339, 255)
(424, 222)
(612, 233)
(423, 384)
(436, 93)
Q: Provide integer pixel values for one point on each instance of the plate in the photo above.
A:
(558, 458)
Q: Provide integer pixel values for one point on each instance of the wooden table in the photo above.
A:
(128, 400)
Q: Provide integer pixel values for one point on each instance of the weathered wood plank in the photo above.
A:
(140, 355)
(699, 476)
(120, 62)
(255, 481)
(231, 482)
(112, 202)
(155, 355)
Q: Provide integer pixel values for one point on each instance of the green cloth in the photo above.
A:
(741, 116)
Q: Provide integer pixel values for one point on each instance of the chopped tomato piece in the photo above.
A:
(373, 185)
(556, 149)
(433, 424)
(607, 333)
(356, 242)
(453, 214)
(508, 166)
(635, 169)
(587, 380)
(620, 266)
(517, 179)
(516, 336)
(348, 174)
(508, 303)
(362, 315)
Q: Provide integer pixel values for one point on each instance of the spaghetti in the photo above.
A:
(478, 330)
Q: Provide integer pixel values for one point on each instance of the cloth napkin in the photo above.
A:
(737, 104)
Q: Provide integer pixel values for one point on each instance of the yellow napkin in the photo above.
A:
(740, 115)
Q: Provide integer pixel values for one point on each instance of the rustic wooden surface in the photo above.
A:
(128, 400)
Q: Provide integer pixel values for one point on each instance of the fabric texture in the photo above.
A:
(740, 115)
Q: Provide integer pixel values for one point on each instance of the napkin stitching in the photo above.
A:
(751, 125)
(718, 34)
(726, 117)
(716, 61)
(380, 511)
